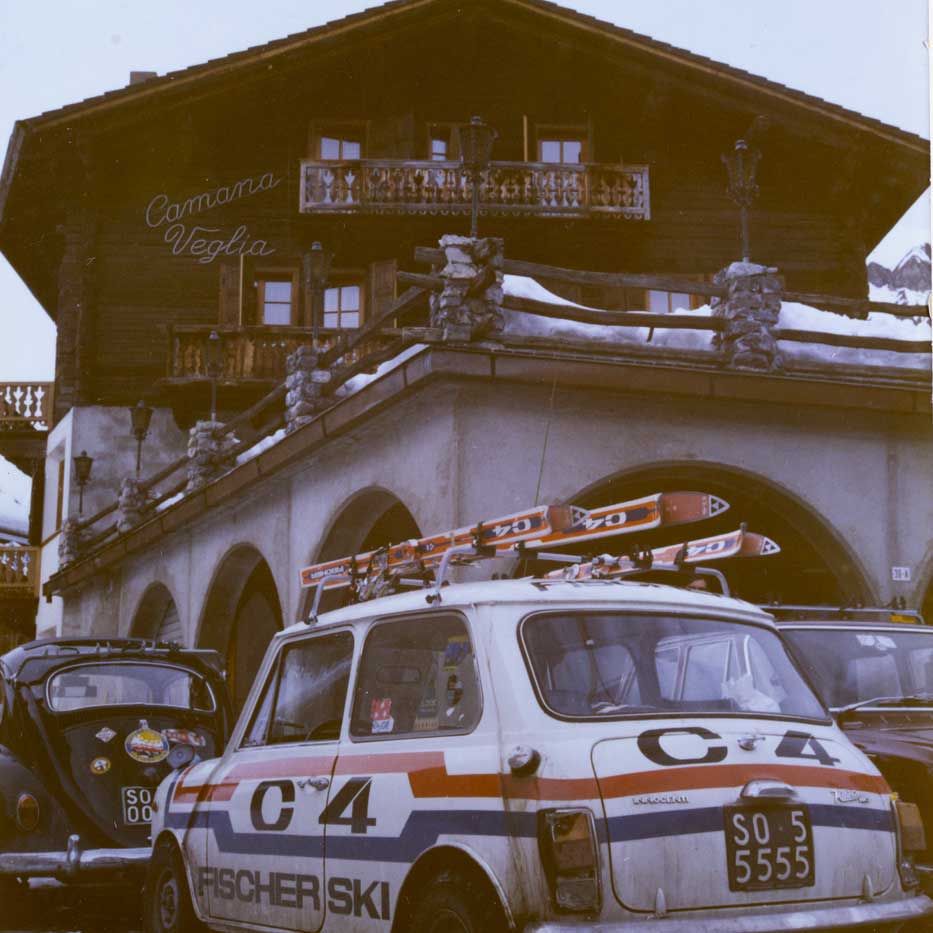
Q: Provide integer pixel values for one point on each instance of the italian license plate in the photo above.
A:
(137, 805)
(768, 847)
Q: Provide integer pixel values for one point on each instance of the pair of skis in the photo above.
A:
(535, 530)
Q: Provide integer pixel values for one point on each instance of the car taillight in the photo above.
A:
(27, 812)
(913, 836)
(567, 839)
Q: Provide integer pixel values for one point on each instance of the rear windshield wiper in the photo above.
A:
(913, 699)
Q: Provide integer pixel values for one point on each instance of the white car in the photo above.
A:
(535, 755)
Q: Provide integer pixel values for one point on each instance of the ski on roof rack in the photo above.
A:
(529, 530)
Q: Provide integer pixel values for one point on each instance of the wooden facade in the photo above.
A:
(145, 219)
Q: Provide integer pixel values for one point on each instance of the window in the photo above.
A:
(276, 296)
(310, 693)
(668, 302)
(343, 303)
(442, 143)
(338, 142)
(416, 676)
(565, 145)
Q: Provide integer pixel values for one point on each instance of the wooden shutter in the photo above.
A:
(381, 287)
(229, 293)
(247, 290)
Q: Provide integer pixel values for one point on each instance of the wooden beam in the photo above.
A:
(851, 341)
(612, 318)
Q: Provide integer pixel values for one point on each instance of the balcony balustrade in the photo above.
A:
(19, 571)
(25, 406)
(252, 353)
(531, 189)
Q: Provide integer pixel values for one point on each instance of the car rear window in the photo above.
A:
(90, 685)
(609, 664)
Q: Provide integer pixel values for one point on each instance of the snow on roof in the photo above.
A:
(794, 316)
(15, 490)
(921, 253)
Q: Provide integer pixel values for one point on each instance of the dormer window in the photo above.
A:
(563, 145)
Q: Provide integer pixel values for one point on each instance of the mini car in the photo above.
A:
(88, 729)
(540, 755)
(876, 675)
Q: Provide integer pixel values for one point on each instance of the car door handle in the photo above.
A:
(318, 783)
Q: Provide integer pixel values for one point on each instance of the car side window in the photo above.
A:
(416, 676)
(306, 695)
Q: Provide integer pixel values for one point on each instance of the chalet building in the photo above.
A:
(231, 243)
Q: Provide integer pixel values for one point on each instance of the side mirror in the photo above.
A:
(180, 756)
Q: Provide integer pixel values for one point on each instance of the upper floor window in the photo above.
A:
(563, 145)
(276, 296)
(442, 142)
(338, 142)
(343, 302)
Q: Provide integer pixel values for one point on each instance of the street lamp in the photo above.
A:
(140, 416)
(475, 140)
(83, 464)
(316, 268)
(742, 168)
(214, 368)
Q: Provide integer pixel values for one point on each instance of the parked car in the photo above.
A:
(877, 678)
(88, 729)
(535, 755)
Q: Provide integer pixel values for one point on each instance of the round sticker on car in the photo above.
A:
(100, 766)
(146, 745)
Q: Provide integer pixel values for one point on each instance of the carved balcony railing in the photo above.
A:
(19, 571)
(534, 189)
(25, 405)
(251, 353)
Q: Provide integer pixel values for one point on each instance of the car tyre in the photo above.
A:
(167, 904)
(457, 902)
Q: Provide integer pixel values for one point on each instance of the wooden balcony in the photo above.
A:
(252, 354)
(528, 189)
(25, 406)
(19, 572)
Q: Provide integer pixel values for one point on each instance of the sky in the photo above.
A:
(868, 55)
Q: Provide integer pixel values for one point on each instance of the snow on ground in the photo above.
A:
(793, 317)
(15, 489)
(898, 296)
(364, 379)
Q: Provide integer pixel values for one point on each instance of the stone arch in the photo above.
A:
(816, 564)
(242, 612)
(369, 519)
(157, 616)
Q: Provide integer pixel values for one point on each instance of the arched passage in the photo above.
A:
(241, 614)
(371, 519)
(815, 565)
(157, 616)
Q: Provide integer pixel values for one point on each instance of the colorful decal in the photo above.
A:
(105, 734)
(185, 737)
(426, 714)
(458, 648)
(146, 745)
(381, 716)
(100, 766)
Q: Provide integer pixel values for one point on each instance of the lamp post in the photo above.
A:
(316, 268)
(475, 141)
(742, 168)
(140, 417)
(83, 464)
(214, 368)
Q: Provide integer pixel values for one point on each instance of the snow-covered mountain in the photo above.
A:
(15, 489)
(908, 283)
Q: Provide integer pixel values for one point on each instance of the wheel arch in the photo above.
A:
(444, 856)
(171, 838)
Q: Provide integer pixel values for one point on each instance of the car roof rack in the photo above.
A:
(530, 534)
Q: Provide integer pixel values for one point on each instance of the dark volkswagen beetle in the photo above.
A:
(88, 729)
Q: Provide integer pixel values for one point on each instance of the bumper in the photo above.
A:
(74, 863)
(874, 917)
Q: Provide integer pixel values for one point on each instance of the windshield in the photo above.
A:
(601, 664)
(853, 666)
(91, 685)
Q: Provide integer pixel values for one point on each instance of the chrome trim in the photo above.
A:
(72, 863)
(857, 917)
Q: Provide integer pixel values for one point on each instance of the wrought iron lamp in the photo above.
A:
(140, 416)
(742, 168)
(83, 464)
(214, 365)
(475, 140)
(316, 268)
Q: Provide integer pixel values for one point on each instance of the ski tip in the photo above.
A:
(769, 547)
(717, 506)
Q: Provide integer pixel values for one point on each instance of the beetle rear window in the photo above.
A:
(592, 664)
(92, 685)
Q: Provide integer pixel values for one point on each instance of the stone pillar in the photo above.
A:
(304, 384)
(69, 541)
(750, 312)
(130, 504)
(208, 453)
(462, 311)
